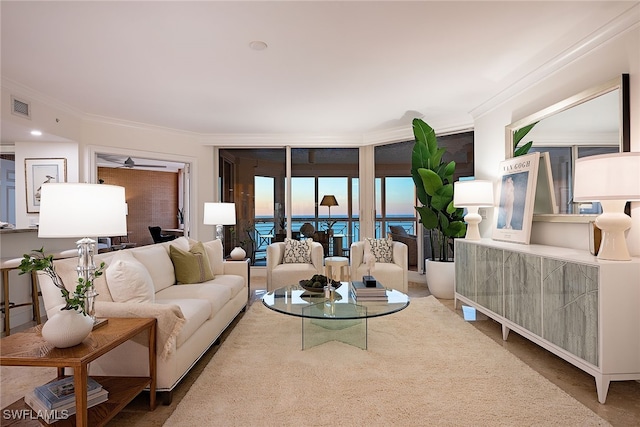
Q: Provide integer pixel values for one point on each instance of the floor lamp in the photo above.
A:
(329, 200)
(612, 180)
(87, 211)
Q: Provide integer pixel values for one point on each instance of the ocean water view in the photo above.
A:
(266, 228)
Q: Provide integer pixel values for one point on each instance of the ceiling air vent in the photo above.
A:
(20, 108)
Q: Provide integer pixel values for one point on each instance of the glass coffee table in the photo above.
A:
(341, 318)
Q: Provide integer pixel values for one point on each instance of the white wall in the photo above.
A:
(618, 56)
(158, 143)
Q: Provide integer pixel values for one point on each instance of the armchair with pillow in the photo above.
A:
(399, 234)
(290, 261)
(390, 267)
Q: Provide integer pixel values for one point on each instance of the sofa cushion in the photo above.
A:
(195, 312)
(382, 249)
(128, 280)
(297, 251)
(191, 266)
(67, 270)
(214, 251)
(156, 259)
(216, 293)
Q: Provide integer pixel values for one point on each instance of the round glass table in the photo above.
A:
(339, 318)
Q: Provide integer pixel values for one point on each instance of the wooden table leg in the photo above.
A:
(80, 389)
(152, 366)
(7, 315)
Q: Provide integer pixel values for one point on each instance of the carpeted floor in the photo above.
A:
(424, 366)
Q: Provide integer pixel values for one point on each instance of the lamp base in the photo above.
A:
(86, 269)
(613, 222)
(472, 219)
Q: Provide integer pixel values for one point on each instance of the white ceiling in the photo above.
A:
(331, 68)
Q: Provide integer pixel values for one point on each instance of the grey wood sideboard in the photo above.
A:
(582, 309)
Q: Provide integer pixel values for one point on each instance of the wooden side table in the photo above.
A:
(28, 348)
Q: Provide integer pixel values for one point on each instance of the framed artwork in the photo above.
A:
(518, 180)
(38, 172)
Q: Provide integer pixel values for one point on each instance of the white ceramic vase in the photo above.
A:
(238, 253)
(441, 278)
(67, 328)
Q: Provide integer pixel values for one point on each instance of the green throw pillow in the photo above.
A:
(192, 266)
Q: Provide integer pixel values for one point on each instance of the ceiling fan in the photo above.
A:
(129, 163)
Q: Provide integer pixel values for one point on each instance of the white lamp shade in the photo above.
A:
(474, 192)
(219, 213)
(82, 210)
(607, 177)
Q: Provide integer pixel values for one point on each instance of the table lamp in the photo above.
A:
(87, 211)
(472, 194)
(612, 180)
(219, 214)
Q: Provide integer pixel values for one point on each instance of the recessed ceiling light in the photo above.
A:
(36, 133)
(258, 45)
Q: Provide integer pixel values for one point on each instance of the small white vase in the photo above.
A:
(441, 278)
(238, 253)
(67, 328)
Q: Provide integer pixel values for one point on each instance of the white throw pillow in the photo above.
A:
(297, 252)
(381, 249)
(129, 280)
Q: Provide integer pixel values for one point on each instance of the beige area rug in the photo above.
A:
(424, 366)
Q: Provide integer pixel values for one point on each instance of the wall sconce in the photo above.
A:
(612, 180)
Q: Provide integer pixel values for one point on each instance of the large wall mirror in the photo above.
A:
(595, 121)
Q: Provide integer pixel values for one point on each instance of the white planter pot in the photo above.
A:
(238, 253)
(67, 328)
(441, 277)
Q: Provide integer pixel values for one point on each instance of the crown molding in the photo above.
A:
(626, 21)
(280, 140)
(111, 121)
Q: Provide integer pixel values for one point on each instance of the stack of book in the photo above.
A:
(57, 400)
(361, 292)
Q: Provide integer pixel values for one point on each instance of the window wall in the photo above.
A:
(256, 180)
(320, 172)
(395, 197)
(259, 187)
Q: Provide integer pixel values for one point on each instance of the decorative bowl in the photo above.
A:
(317, 283)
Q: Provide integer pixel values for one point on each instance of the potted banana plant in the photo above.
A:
(434, 179)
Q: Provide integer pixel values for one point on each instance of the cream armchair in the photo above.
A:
(392, 275)
(281, 274)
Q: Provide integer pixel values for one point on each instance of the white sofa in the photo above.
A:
(190, 317)
(281, 274)
(392, 275)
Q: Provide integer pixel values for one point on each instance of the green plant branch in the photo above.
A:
(37, 261)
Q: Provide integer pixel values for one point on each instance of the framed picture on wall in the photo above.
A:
(38, 172)
(518, 180)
